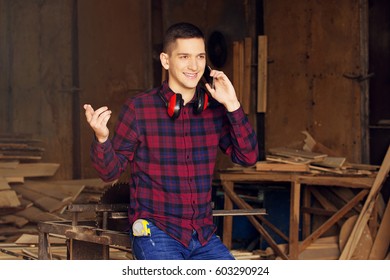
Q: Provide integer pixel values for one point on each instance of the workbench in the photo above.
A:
(298, 183)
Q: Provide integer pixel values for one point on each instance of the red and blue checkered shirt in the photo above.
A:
(172, 161)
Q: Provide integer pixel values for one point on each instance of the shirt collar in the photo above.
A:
(167, 92)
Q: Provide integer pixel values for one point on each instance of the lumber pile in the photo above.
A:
(298, 160)
(20, 147)
(29, 195)
(311, 157)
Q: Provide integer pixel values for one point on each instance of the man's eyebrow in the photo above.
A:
(183, 53)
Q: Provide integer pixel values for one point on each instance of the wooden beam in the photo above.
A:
(262, 65)
(247, 75)
(30, 170)
(294, 219)
(365, 214)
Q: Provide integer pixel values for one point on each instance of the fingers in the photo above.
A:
(88, 112)
(99, 116)
(98, 120)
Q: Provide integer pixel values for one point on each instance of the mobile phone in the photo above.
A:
(206, 76)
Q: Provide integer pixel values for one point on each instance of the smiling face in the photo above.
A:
(185, 61)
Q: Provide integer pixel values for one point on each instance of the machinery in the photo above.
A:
(91, 240)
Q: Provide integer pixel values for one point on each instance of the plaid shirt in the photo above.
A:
(172, 161)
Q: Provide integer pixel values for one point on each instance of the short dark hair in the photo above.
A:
(181, 30)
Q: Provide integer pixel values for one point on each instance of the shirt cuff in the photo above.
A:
(100, 146)
(237, 116)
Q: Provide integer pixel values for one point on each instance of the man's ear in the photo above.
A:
(164, 60)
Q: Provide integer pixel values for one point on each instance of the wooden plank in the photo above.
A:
(281, 167)
(31, 170)
(288, 160)
(367, 209)
(14, 220)
(39, 199)
(32, 239)
(8, 198)
(262, 65)
(36, 215)
(4, 184)
(14, 179)
(48, 189)
(236, 69)
(241, 69)
(49, 204)
(294, 220)
(228, 220)
(382, 239)
(9, 164)
(287, 152)
(332, 162)
(247, 75)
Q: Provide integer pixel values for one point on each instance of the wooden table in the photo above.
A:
(296, 181)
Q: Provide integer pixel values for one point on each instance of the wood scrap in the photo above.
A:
(52, 190)
(20, 147)
(14, 220)
(31, 170)
(331, 162)
(311, 145)
(8, 198)
(36, 215)
(4, 184)
(45, 203)
(32, 239)
(288, 160)
(287, 152)
(329, 170)
(281, 167)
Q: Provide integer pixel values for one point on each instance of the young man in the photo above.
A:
(170, 136)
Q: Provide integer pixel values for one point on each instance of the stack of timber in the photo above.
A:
(298, 160)
(312, 157)
(20, 147)
(28, 193)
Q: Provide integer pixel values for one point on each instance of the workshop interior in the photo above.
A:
(311, 76)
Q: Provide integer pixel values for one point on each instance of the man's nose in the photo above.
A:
(193, 64)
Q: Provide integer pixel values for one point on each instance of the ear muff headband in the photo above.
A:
(176, 102)
(174, 106)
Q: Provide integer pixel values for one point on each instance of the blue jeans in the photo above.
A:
(161, 246)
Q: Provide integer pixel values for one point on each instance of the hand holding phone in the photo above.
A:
(207, 78)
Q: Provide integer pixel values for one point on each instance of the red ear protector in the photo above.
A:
(176, 103)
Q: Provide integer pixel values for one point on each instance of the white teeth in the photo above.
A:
(190, 75)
